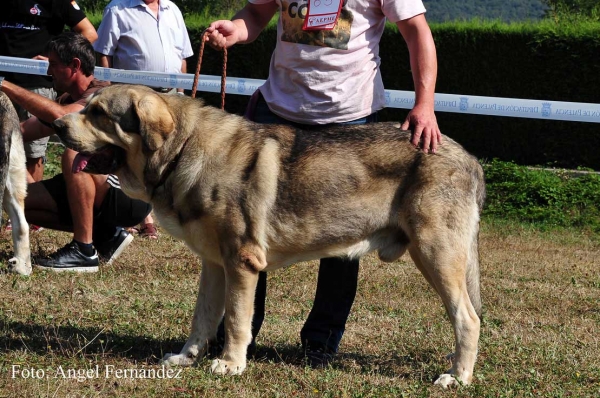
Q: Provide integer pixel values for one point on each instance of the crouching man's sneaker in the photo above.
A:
(112, 248)
(69, 258)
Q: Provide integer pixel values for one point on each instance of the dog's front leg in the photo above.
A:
(207, 315)
(242, 277)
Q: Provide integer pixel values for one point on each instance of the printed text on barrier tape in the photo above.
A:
(468, 104)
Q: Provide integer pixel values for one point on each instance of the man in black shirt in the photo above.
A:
(25, 28)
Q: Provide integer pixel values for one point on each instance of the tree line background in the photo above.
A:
(437, 10)
(214, 7)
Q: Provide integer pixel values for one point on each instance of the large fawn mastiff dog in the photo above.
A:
(249, 197)
(13, 183)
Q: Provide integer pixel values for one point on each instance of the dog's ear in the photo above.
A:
(155, 120)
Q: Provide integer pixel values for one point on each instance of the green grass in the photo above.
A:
(545, 199)
(539, 330)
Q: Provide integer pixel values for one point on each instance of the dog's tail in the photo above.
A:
(473, 279)
(8, 116)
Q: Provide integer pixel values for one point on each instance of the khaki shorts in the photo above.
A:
(36, 148)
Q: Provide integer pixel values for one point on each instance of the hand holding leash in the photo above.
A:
(222, 34)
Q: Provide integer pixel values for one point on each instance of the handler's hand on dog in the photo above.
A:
(222, 34)
(425, 131)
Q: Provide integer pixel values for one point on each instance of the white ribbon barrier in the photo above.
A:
(468, 104)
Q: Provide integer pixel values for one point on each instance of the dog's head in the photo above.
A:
(120, 126)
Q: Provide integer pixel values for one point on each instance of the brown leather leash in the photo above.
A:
(223, 74)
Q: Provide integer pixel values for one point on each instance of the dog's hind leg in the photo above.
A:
(21, 262)
(13, 180)
(14, 204)
(207, 315)
(242, 278)
(445, 257)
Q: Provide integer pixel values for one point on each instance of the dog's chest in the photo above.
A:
(200, 236)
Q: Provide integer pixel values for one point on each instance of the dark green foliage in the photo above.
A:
(545, 198)
(213, 7)
(572, 9)
(90, 6)
(505, 10)
(542, 61)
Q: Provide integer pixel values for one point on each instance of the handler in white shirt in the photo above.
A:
(146, 35)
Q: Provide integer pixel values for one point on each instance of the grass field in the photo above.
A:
(540, 331)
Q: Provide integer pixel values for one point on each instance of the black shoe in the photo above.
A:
(112, 248)
(69, 258)
(317, 355)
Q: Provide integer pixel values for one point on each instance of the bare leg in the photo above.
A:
(35, 169)
(41, 209)
(81, 191)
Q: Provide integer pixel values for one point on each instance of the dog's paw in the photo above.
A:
(177, 360)
(446, 380)
(222, 367)
(19, 266)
